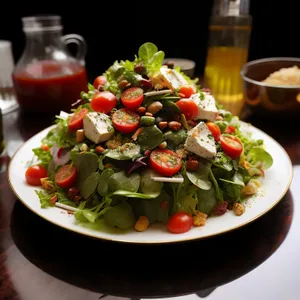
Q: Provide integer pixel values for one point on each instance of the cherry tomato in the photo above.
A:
(103, 102)
(229, 129)
(180, 222)
(45, 147)
(34, 174)
(187, 90)
(66, 176)
(125, 120)
(76, 121)
(188, 107)
(99, 81)
(132, 98)
(214, 129)
(231, 145)
(165, 162)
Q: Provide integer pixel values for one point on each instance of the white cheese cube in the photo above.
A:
(201, 142)
(98, 127)
(207, 109)
(171, 78)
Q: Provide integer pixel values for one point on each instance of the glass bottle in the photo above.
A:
(230, 30)
(48, 78)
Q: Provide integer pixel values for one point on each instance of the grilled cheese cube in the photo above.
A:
(97, 127)
(201, 142)
(207, 109)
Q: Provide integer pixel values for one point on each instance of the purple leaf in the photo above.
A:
(140, 162)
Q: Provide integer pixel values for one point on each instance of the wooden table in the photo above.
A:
(39, 260)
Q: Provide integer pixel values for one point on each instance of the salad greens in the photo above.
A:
(158, 160)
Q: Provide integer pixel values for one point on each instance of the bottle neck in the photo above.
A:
(39, 40)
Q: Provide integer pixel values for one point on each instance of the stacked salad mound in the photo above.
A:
(147, 145)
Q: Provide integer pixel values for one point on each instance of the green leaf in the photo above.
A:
(150, 137)
(124, 152)
(43, 156)
(91, 87)
(148, 186)
(156, 61)
(176, 137)
(206, 200)
(219, 193)
(223, 161)
(90, 215)
(200, 177)
(259, 157)
(146, 51)
(121, 181)
(90, 185)
(44, 198)
(102, 188)
(151, 208)
(120, 216)
(86, 163)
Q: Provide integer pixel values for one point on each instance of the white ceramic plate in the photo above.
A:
(274, 186)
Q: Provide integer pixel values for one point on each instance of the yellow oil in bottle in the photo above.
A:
(222, 76)
(229, 36)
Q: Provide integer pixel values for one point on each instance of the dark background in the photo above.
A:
(115, 29)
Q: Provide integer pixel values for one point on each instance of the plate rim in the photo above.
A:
(147, 242)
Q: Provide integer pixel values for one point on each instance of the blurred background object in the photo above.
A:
(47, 77)
(230, 30)
(277, 101)
(8, 101)
(186, 65)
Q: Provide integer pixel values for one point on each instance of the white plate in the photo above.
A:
(274, 186)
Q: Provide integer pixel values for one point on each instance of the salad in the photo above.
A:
(146, 144)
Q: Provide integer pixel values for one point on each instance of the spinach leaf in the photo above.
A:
(148, 186)
(86, 163)
(219, 193)
(150, 137)
(200, 177)
(176, 137)
(90, 185)
(121, 181)
(124, 152)
(223, 161)
(151, 208)
(102, 188)
(120, 216)
(206, 200)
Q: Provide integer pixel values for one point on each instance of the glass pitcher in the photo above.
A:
(48, 78)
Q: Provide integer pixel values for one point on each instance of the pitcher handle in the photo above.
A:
(79, 41)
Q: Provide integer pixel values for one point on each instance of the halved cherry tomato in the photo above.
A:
(229, 129)
(187, 90)
(165, 162)
(99, 81)
(125, 120)
(76, 121)
(66, 176)
(231, 145)
(132, 98)
(103, 102)
(180, 222)
(34, 174)
(214, 129)
(188, 107)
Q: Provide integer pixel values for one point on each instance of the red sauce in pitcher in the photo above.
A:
(48, 86)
